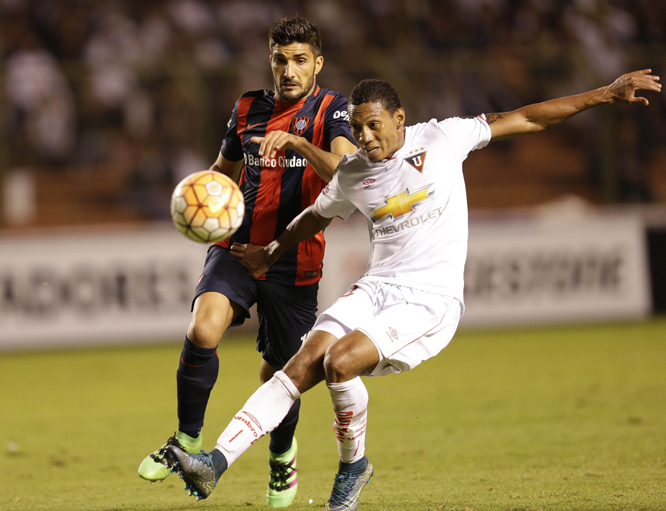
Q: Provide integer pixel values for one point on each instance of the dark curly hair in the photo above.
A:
(293, 29)
(371, 90)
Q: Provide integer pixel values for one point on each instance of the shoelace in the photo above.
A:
(159, 456)
(342, 484)
(280, 472)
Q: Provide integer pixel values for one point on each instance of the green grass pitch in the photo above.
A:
(541, 419)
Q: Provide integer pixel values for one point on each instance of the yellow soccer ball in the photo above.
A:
(207, 207)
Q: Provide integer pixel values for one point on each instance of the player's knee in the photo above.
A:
(205, 332)
(337, 364)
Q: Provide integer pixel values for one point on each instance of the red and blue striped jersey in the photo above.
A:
(277, 189)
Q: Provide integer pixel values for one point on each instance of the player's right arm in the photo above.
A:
(227, 167)
(323, 162)
(541, 116)
(232, 147)
(301, 228)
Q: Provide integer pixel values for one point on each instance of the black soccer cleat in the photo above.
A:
(348, 485)
(197, 470)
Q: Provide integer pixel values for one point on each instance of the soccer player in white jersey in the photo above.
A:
(408, 182)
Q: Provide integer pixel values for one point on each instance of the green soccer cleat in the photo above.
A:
(153, 468)
(197, 470)
(283, 482)
(348, 485)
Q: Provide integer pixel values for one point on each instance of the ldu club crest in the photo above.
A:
(417, 160)
(300, 124)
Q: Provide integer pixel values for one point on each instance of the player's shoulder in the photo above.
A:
(259, 93)
(451, 128)
(466, 133)
(421, 126)
(333, 101)
(323, 91)
(458, 122)
(428, 129)
(353, 161)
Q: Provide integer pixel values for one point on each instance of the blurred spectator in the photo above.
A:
(41, 104)
(148, 86)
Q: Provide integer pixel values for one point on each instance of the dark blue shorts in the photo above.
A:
(286, 312)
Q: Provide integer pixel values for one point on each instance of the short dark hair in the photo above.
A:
(293, 29)
(371, 91)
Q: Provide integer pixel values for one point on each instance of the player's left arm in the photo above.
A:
(323, 162)
(541, 116)
(257, 260)
(227, 167)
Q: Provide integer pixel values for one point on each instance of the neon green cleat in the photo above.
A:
(283, 483)
(153, 468)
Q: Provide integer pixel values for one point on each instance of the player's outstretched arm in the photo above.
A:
(257, 260)
(323, 162)
(541, 116)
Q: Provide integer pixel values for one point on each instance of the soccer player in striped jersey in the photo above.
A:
(282, 146)
(408, 182)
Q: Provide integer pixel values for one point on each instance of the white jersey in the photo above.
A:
(415, 203)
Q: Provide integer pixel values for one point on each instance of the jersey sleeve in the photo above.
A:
(232, 147)
(466, 134)
(336, 120)
(332, 201)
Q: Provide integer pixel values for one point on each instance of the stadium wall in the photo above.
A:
(72, 288)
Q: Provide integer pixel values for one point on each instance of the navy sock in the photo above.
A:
(354, 468)
(196, 376)
(282, 436)
(219, 462)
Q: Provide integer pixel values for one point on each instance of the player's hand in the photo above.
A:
(253, 258)
(623, 90)
(274, 141)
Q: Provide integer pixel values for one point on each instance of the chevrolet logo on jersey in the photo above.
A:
(400, 204)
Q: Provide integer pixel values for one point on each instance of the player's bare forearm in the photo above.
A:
(326, 163)
(257, 259)
(227, 167)
(323, 162)
(541, 116)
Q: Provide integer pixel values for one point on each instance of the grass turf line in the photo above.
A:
(540, 419)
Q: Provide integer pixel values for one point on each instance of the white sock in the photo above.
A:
(350, 404)
(261, 414)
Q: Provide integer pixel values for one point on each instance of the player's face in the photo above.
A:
(378, 132)
(294, 68)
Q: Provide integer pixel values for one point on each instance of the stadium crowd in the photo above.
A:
(147, 87)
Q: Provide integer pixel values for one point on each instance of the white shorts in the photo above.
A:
(406, 325)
